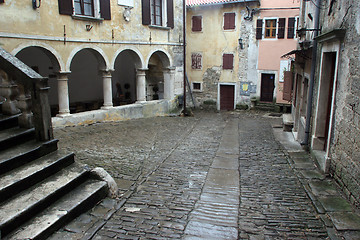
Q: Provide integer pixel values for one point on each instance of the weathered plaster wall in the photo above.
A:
(212, 42)
(345, 143)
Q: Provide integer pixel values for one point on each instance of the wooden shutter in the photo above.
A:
(291, 28)
(228, 60)
(66, 7)
(196, 23)
(281, 30)
(170, 13)
(105, 11)
(229, 21)
(259, 24)
(288, 82)
(145, 4)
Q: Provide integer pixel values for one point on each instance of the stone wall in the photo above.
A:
(345, 145)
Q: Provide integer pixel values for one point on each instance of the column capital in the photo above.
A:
(63, 73)
(141, 71)
(63, 76)
(106, 71)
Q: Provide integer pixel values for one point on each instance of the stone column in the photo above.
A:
(63, 94)
(169, 82)
(107, 89)
(141, 85)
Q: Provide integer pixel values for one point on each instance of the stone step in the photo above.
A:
(265, 106)
(16, 135)
(33, 172)
(68, 207)
(22, 207)
(8, 121)
(14, 157)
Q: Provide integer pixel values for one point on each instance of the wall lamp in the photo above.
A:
(241, 43)
(35, 5)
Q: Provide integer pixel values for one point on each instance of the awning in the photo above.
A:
(298, 52)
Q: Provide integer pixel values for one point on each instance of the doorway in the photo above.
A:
(227, 97)
(325, 99)
(267, 87)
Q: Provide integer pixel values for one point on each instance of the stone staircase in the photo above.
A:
(41, 187)
(266, 106)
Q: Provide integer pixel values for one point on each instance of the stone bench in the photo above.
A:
(288, 122)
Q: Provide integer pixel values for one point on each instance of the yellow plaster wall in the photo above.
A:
(213, 41)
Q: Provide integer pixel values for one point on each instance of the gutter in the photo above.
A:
(305, 141)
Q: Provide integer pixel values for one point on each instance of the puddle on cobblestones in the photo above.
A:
(132, 209)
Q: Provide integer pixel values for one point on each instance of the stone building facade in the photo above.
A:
(260, 32)
(221, 51)
(326, 92)
(100, 53)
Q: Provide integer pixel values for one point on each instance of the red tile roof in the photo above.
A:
(190, 3)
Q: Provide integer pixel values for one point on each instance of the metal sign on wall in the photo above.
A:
(246, 88)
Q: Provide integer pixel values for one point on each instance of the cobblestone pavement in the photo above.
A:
(162, 165)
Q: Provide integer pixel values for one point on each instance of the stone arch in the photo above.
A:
(52, 54)
(163, 55)
(126, 62)
(159, 84)
(47, 62)
(136, 54)
(87, 67)
(102, 58)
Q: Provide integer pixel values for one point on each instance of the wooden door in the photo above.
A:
(227, 97)
(267, 87)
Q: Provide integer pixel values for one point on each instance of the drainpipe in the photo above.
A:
(312, 75)
(184, 42)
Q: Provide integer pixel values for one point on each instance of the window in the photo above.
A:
(270, 28)
(196, 86)
(84, 7)
(273, 28)
(228, 60)
(229, 21)
(196, 23)
(196, 62)
(158, 13)
(2, 1)
(87, 8)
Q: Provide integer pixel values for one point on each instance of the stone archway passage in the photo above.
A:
(124, 77)
(86, 81)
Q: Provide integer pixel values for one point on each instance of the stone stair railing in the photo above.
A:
(23, 91)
